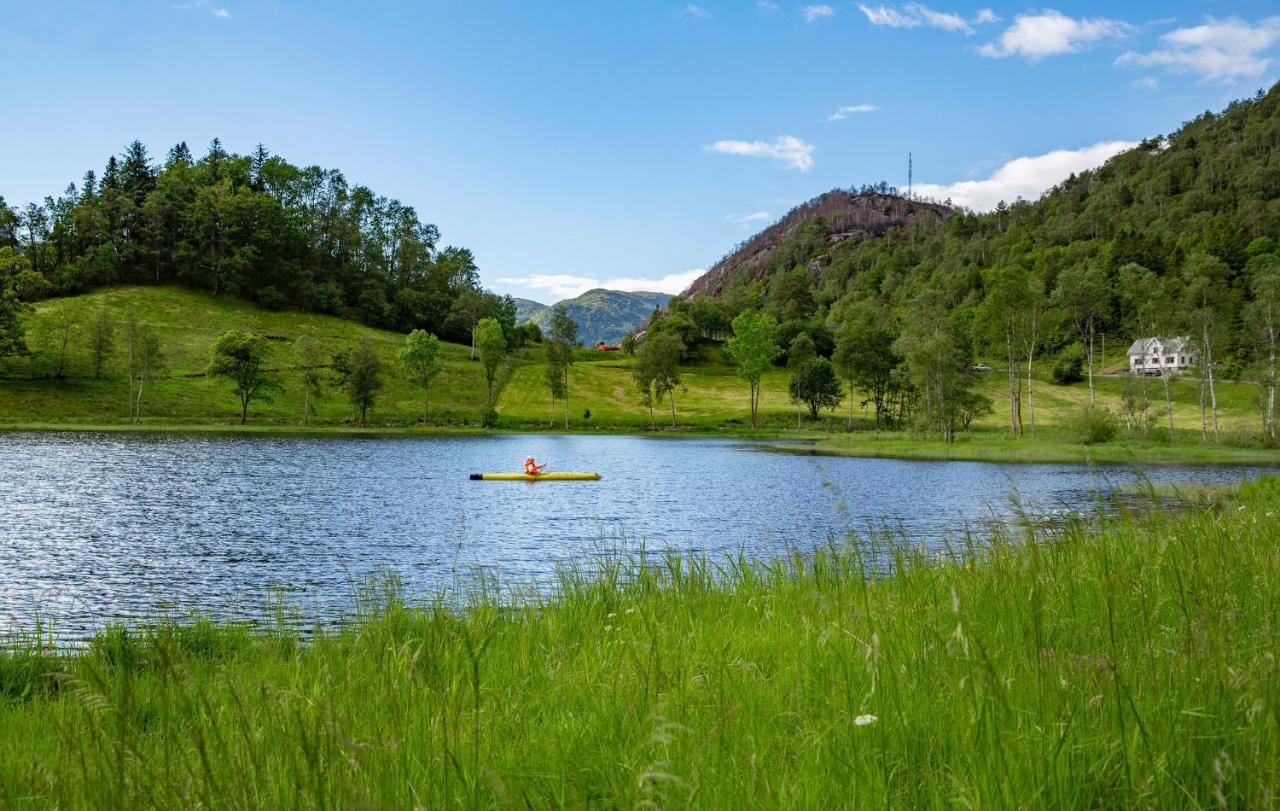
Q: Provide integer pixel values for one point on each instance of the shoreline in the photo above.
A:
(974, 448)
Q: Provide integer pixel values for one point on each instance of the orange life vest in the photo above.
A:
(531, 468)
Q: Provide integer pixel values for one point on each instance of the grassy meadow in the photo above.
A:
(1126, 662)
(711, 400)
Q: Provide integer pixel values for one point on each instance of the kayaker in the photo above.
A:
(532, 468)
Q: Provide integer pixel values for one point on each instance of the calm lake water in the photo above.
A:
(100, 527)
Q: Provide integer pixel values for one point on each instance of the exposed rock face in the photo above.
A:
(848, 215)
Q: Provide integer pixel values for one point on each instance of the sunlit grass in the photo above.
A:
(1127, 663)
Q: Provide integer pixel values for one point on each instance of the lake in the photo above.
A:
(101, 527)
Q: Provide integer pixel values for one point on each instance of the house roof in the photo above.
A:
(1173, 344)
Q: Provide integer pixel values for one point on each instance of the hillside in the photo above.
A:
(846, 214)
(601, 315)
(525, 309)
(254, 226)
(1212, 187)
(187, 323)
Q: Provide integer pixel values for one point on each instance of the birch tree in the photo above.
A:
(1083, 297)
(1205, 300)
(1264, 314)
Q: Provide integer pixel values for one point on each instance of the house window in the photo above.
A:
(1169, 359)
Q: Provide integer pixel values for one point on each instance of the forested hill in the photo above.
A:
(1209, 191)
(844, 214)
(601, 315)
(253, 226)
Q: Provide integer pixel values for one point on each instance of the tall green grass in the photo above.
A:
(1129, 662)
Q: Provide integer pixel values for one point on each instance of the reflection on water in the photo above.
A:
(97, 527)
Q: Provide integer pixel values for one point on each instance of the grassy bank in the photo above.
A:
(711, 401)
(1049, 446)
(1131, 664)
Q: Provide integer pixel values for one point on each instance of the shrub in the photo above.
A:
(489, 417)
(1070, 365)
(1093, 425)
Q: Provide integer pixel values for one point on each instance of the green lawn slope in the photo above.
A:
(187, 323)
(712, 399)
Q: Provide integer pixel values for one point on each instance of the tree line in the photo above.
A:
(253, 226)
(1179, 236)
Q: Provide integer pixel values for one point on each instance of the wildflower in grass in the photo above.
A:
(864, 720)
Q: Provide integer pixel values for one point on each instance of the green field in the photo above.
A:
(712, 399)
(1131, 663)
(187, 324)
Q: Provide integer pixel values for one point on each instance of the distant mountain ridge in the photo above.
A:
(601, 315)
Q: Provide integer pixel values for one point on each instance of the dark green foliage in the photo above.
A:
(489, 417)
(657, 369)
(240, 357)
(813, 382)
(257, 227)
(361, 372)
(1069, 367)
(1191, 209)
(1092, 425)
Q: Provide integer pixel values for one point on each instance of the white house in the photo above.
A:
(1154, 355)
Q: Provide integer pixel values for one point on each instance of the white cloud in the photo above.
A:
(750, 219)
(787, 149)
(695, 12)
(814, 13)
(564, 285)
(221, 13)
(766, 5)
(1035, 36)
(914, 15)
(1219, 50)
(1027, 178)
(1147, 83)
(842, 113)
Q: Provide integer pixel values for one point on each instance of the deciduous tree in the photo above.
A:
(420, 356)
(241, 358)
(753, 348)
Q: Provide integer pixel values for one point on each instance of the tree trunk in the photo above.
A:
(244, 409)
(566, 398)
(1093, 400)
(1168, 400)
(1013, 385)
(426, 404)
(1213, 394)
(671, 395)
(1031, 401)
(1271, 380)
(851, 408)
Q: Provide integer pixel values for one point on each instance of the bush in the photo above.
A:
(1070, 366)
(489, 417)
(1093, 425)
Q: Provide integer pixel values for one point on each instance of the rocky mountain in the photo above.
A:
(601, 315)
(845, 213)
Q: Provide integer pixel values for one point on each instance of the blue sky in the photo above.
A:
(574, 144)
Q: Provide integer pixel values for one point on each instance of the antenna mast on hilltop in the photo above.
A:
(908, 175)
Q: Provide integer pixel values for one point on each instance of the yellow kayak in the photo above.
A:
(525, 477)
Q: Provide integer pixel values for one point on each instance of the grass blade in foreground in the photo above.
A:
(1128, 665)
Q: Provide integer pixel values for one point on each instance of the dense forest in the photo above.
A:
(252, 226)
(1178, 236)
